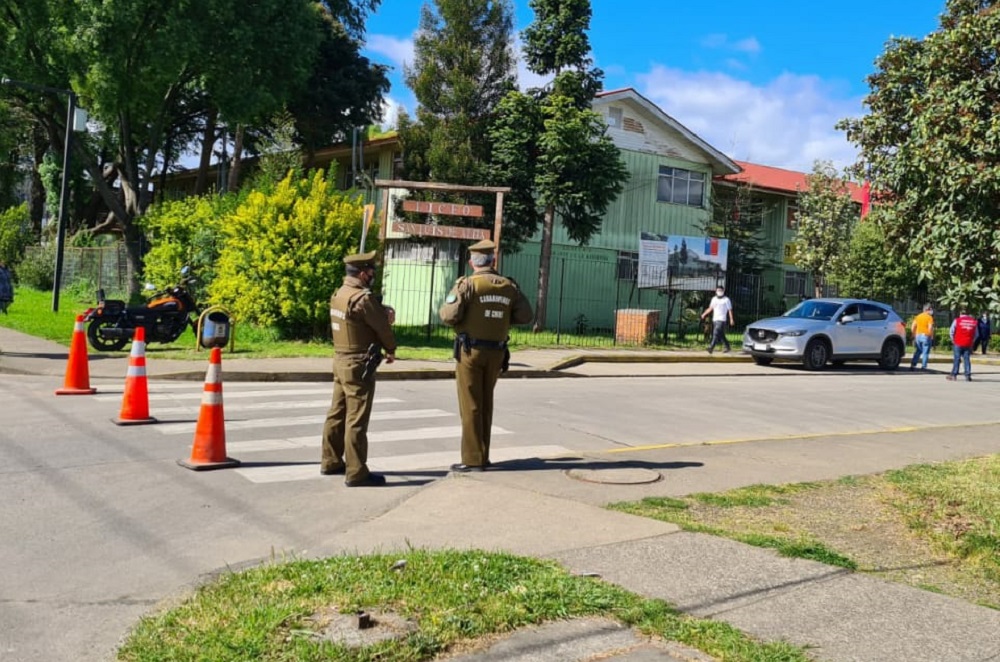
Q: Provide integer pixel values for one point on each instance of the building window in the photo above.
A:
(615, 117)
(628, 265)
(795, 284)
(397, 165)
(792, 220)
(681, 187)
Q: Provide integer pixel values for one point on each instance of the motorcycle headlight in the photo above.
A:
(794, 334)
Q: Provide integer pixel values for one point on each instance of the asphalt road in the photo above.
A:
(99, 523)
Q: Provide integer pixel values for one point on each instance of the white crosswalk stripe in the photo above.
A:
(228, 395)
(398, 464)
(258, 409)
(255, 423)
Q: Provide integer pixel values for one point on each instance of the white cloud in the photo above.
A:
(786, 123)
(398, 51)
(391, 109)
(748, 45)
(718, 40)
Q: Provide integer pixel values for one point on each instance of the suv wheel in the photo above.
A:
(816, 356)
(762, 360)
(892, 354)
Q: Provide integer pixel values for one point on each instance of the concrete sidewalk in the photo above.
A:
(542, 508)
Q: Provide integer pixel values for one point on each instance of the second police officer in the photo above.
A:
(481, 308)
(359, 321)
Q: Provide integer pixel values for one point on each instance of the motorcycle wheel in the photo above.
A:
(104, 344)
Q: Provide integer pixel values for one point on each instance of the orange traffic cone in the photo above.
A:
(135, 402)
(77, 380)
(209, 450)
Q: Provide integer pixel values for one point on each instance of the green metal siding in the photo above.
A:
(637, 210)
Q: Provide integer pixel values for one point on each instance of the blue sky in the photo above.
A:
(760, 81)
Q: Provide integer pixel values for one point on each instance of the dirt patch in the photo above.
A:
(857, 520)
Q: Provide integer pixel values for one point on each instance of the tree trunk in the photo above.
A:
(40, 145)
(234, 172)
(544, 262)
(207, 143)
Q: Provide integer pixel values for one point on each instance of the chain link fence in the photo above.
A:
(590, 298)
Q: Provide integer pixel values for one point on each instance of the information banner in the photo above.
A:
(674, 262)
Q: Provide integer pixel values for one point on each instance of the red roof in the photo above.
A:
(779, 179)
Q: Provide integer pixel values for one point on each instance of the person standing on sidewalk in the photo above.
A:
(984, 331)
(923, 337)
(722, 310)
(6, 287)
(963, 336)
(358, 321)
(481, 308)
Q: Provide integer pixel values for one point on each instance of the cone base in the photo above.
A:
(134, 421)
(206, 466)
(66, 390)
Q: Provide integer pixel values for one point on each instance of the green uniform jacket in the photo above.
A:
(484, 306)
(357, 319)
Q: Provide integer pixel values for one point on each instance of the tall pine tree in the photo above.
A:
(549, 146)
(464, 65)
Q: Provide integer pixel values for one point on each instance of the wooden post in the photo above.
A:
(383, 225)
(497, 225)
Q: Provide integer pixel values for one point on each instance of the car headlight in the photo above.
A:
(794, 334)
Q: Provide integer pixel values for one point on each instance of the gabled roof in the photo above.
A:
(779, 180)
(720, 162)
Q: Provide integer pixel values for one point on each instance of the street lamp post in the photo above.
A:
(64, 188)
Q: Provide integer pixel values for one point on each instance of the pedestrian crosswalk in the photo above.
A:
(276, 432)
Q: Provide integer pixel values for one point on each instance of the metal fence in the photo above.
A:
(587, 297)
(99, 267)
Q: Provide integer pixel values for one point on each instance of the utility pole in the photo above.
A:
(64, 187)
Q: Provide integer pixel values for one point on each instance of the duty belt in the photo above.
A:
(487, 344)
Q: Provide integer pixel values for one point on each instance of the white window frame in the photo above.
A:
(679, 181)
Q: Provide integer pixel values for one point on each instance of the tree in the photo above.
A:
(344, 90)
(549, 146)
(826, 215)
(870, 269)
(737, 215)
(929, 144)
(463, 67)
(143, 68)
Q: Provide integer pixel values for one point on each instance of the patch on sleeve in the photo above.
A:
(451, 298)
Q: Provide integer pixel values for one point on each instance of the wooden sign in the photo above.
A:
(443, 231)
(442, 208)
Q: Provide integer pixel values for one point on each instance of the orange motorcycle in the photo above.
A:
(165, 316)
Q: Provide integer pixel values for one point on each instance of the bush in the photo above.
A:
(282, 256)
(185, 232)
(15, 235)
(37, 269)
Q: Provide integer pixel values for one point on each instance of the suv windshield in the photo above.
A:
(815, 310)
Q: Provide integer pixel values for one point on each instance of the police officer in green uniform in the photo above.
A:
(358, 319)
(481, 308)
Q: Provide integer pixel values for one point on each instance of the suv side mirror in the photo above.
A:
(847, 319)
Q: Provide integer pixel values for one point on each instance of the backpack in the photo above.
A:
(965, 331)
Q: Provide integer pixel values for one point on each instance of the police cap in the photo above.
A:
(361, 260)
(484, 246)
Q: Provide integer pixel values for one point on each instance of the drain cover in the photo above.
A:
(624, 476)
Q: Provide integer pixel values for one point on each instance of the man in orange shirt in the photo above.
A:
(923, 337)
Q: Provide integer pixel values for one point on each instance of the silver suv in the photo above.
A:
(820, 330)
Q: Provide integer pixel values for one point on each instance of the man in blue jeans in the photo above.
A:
(963, 334)
(923, 336)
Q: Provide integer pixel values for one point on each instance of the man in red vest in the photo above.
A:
(963, 334)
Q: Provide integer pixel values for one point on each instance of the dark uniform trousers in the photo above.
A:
(346, 428)
(476, 375)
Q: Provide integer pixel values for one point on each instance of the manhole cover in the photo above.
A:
(624, 476)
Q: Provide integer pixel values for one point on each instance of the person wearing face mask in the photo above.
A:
(358, 319)
(721, 309)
